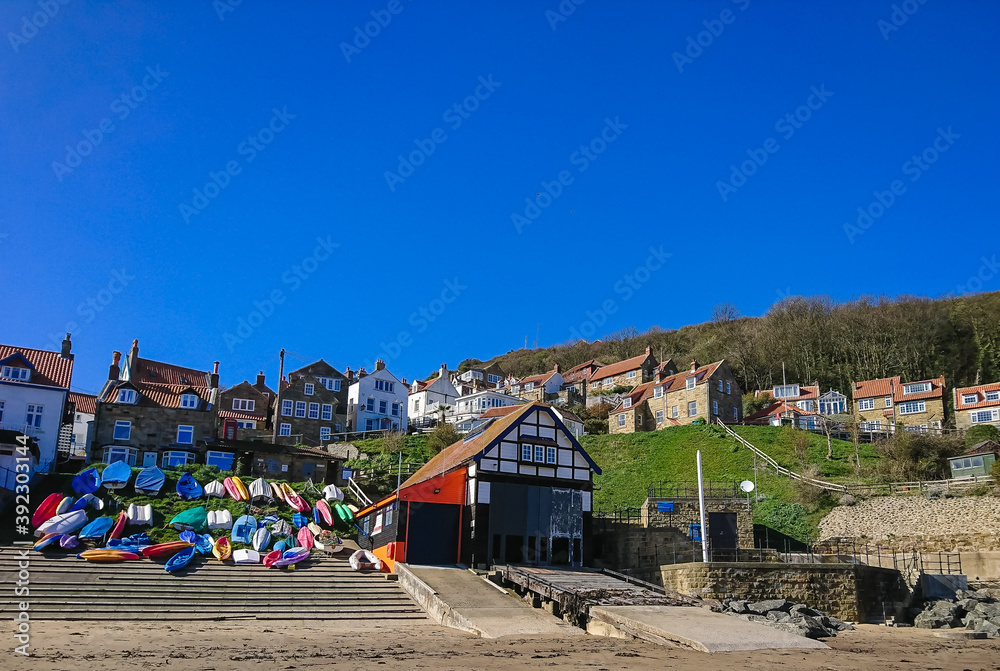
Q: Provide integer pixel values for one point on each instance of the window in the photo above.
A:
(416, 405)
(721, 385)
(395, 408)
(657, 392)
(330, 384)
(736, 414)
(675, 412)
(916, 388)
(171, 459)
(15, 373)
(621, 419)
(715, 407)
(224, 460)
(286, 408)
(324, 433)
(638, 419)
(2, 404)
(911, 407)
(300, 408)
(189, 401)
(314, 411)
(888, 401)
(126, 395)
(273, 465)
(786, 391)
(526, 453)
(34, 415)
(832, 406)
(916, 428)
(309, 389)
(185, 434)
(984, 416)
(659, 416)
(337, 428)
(692, 408)
(993, 396)
(630, 375)
(327, 413)
(383, 385)
(529, 386)
(123, 430)
(369, 424)
(285, 430)
(246, 424)
(969, 399)
(383, 406)
(243, 404)
(550, 455)
(806, 405)
(866, 404)
(872, 426)
(493, 378)
(729, 387)
(627, 403)
(126, 454)
(607, 382)
(690, 382)
(370, 405)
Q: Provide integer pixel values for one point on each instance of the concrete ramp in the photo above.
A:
(695, 628)
(460, 599)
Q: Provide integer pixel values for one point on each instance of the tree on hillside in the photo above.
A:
(980, 432)
(443, 435)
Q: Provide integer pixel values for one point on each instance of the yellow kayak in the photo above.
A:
(244, 494)
(107, 555)
(222, 549)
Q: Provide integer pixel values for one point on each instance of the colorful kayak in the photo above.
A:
(95, 502)
(188, 488)
(259, 489)
(47, 540)
(215, 488)
(180, 560)
(119, 527)
(204, 544)
(272, 557)
(222, 549)
(188, 536)
(314, 528)
(299, 520)
(323, 508)
(281, 528)
(241, 488)
(280, 547)
(68, 541)
(63, 524)
(140, 515)
(46, 509)
(231, 489)
(116, 475)
(65, 505)
(290, 557)
(149, 481)
(194, 518)
(333, 493)
(293, 499)
(220, 519)
(245, 556)
(329, 542)
(261, 539)
(244, 529)
(104, 554)
(343, 512)
(305, 538)
(277, 491)
(97, 529)
(86, 482)
(164, 549)
(80, 504)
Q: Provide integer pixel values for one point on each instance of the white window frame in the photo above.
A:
(690, 382)
(621, 419)
(33, 417)
(122, 424)
(244, 404)
(314, 411)
(805, 405)
(394, 411)
(246, 424)
(186, 428)
(189, 401)
(969, 399)
(539, 454)
(309, 389)
(993, 396)
(607, 382)
(695, 412)
(383, 406)
(888, 401)
(658, 392)
(326, 412)
(131, 454)
(16, 373)
(659, 417)
(300, 409)
(630, 375)
(170, 455)
(550, 455)
(287, 407)
(787, 391)
(285, 430)
(213, 455)
(917, 388)
(675, 411)
(627, 402)
(985, 416)
(871, 425)
(126, 396)
(526, 452)
(912, 407)
(866, 404)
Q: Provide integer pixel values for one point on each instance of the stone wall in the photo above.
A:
(621, 546)
(850, 592)
(686, 513)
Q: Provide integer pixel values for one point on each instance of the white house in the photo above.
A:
(34, 385)
(84, 409)
(571, 420)
(428, 396)
(377, 401)
(471, 407)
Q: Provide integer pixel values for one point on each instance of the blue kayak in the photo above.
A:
(116, 475)
(96, 529)
(149, 481)
(180, 560)
(300, 520)
(187, 536)
(86, 482)
(244, 529)
(204, 544)
(281, 546)
(188, 488)
(80, 504)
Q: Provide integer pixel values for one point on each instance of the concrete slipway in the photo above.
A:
(462, 600)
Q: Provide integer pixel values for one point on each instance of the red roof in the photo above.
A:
(886, 385)
(500, 412)
(162, 395)
(50, 368)
(157, 372)
(620, 367)
(581, 371)
(980, 392)
(776, 409)
(84, 403)
(541, 378)
(233, 414)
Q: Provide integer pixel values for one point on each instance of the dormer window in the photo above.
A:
(969, 399)
(189, 401)
(126, 395)
(786, 391)
(690, 382)
(658, 392)
(184, 379)
(627, 403)
(310, 389)
(917, 388)
(15, 373)
(529, 386)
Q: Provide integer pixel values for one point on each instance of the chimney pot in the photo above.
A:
(114, 371)
(67, 347)
(694, 365)
(556, 368)
(260, 378)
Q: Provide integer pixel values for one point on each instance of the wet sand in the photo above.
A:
(218, 646)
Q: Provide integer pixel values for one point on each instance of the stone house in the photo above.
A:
(245, 411)
(539, 387)
(477, 379)
(881, 405)
(312, 405)
(628, 373)
(977, 405)
(280, 462)
(154, 413)
(785, 412)
(577, 378)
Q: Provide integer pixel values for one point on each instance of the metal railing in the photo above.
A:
(686, 489)
(353, 487)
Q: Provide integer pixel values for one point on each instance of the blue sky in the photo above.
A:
(647, 125)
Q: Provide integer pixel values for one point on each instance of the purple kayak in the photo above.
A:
(291, 557)
(69, 541)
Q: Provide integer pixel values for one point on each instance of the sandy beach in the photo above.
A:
(218, 646)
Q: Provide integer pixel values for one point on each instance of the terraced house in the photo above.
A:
(538, 387)
(154, 413)
(977, 405)
(884, 404)
(245, 410)
(312, 405)
(628, 373)
(704, 393)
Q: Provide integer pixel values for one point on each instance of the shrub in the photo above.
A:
(981, 432)
(847, 500)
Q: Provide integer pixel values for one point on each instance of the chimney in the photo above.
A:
(214, 379)
(115, 370)
(379, 364)
(133, 356)
(649, 351)
(444, 372)
(362, 372)
(349, 374)
(66, 347)
(694, 365)
(260, 378)
(404, 382)
(557, 369)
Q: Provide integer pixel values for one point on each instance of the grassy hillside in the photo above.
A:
(631, 462)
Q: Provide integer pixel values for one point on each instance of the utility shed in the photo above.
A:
(977, 461)
(518, 490)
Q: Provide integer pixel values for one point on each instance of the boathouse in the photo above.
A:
(517, 490)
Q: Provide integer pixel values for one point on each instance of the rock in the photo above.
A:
(946, 608)
(987, 610)
(988, 628)
(804, 625)
(777, 616)
(968, 604)
(935, 619)
(737, 606)
(751, 617)
(762, 607)
(802, 609)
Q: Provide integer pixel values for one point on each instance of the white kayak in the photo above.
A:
(215, 488)
(63, 524)
(220, 519)
(333, 493)
(141, 515)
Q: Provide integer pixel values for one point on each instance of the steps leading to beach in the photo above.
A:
(323, 587)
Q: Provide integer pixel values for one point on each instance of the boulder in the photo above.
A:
(987, 610)
(805, 625)
(762, 607)
(752, 617)
(935, 619)
(989, 628)
(802, 609)
(778, 616)
(968, 604)
(736, 606)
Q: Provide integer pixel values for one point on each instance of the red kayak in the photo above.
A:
(164, 549)
(46, 509)
(116, 530)
(272, 557)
